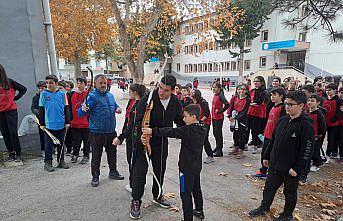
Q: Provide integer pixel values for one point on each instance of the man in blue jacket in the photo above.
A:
(102, 108)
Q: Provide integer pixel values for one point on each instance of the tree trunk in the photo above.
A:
(77, 65)
(241, 65)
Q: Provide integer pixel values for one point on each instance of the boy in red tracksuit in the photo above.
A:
(278, 111)
(331, 118)
(237, 113)
(319, 127)
(79, 125)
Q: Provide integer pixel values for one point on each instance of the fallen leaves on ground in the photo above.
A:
(169, 195)
(222, 174)
(174, 209)
(146, 205)
(297, 217)
(247, 165)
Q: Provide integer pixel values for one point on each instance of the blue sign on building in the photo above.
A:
(278, 45)
(154, 59)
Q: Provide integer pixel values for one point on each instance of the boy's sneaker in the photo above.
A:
(303, 181)
(63, 165)
(74, 159)
(334, 155)
(234, 151)
(239, 154)
(218, 153)
(18, 158)
(48, 166)
(135, 212)
(95, 181)
(11, 157)
(115, 175)
(162, 202)
(284, 218)
(199, 214)
(327, 160)
(84, 160)
(128, 188)
(258, 174)
(246, 147)
(314, 168)
(68, 154)
(42, 153)
(209, 160)
(260, 211)
(254, 149)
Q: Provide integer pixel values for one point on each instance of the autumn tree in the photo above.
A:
(145, 30)
(314, 14)
(81, 26)
(249, 17)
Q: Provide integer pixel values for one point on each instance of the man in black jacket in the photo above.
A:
(287, 156)
(166, 110)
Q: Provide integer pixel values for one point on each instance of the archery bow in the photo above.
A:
(90, 86)
(147, 147)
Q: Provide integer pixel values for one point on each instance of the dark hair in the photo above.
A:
(243, 85)
(197, 96)
(139, 88)
(178, 85)
(52, 77)
(184, 87)
(71, 84)
(263, 82)
(317, 78)
(81, 79)
(41, 84)
(331, 86)
(169, 80)
(62, 84)
(193, 109)
(279, 91)
(277, 78)
(309, 87)
(297, 96)
(318, 98)
(4, 82)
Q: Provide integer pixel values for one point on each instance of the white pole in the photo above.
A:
(50, 35)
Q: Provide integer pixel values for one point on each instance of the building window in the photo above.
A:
(227, 66)
(210, 67)
(221, 68)
(186, 68)
(196, 48)
(205, 67)
(186, 49)
(199, 67)
(195, 68)
(263, 62)
(302, 36)
(264, 36)
(215, 67)
(248, 43)
(191, 49)
(233, 66)
(190, 68)
(247, 64)
(303, 11)
(178, 67)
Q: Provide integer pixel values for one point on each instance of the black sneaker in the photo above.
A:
(162, 202)
(84, 160)
(18, 158)
(11, 157)
(333, 155)
(218, 154)
(199, 214)
(63, 165)
(283, 217)
(48, 166)
(74, 159)
(260, 211)
(95, 181)
(135, 212)
(115, 176)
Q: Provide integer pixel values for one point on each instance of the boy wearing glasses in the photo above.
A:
(54, 116)
(287, 156)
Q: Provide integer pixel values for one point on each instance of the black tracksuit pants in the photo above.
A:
(218, 134)
(49, 145)
(274, 180)
(41, 138)
(80, 135)
(69, 141)
(341, 142)
(158, 159)
(130, 157)
(266, 142)
(240, 137)
(190, 186)
(333, 140)
(257, 126)
(98, 142)
(9, 130)
(207, 144)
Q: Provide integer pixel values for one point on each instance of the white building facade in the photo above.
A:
(196, 54)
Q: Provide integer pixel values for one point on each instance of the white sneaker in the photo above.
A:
(314, 168)
(209, 160)
(42, 153)
(128, 188)
(327, 160)
(254, 150)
